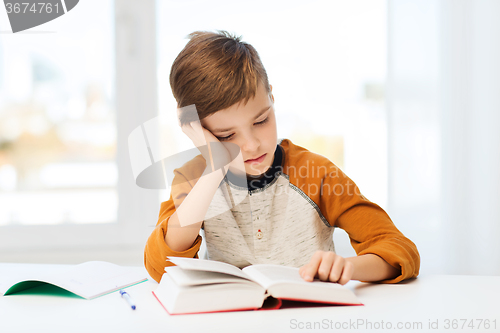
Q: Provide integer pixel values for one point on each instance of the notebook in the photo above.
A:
(87, 280)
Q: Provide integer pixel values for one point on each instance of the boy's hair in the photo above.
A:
(215, 71)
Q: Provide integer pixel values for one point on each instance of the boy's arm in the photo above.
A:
(193, 187)
(180, 236)
(370, 267)
(371, 231)
(156, 250)
(169, 238)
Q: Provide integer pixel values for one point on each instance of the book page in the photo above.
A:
(208, 265)
(208, 298)
(96, 278)
(286, 283)
(267, 275)
(188, 277)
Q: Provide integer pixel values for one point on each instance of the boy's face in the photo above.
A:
(252, 127)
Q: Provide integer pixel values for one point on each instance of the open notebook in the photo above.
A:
(88, 280)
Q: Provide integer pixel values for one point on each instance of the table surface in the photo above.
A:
(434, 303)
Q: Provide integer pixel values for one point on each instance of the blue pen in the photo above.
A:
(127, 298)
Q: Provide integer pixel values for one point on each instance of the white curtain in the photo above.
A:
(444, 131)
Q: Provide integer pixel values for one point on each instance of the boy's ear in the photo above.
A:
(271, 92)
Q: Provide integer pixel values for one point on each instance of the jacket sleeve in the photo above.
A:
(369, 227)
(157, 250)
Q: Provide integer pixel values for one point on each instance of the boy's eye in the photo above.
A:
(223, 138)
(262, 122)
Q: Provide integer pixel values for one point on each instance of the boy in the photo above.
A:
(292, 199)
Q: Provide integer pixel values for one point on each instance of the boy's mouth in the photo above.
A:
(256, 160)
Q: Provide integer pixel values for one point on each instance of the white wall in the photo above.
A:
(444, 131)
(471, 135)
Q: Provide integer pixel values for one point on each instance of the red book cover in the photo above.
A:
(270, 303)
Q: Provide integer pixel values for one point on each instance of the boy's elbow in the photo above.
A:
(403, 256)
(150, 267)
(410, 266)
(415, 261)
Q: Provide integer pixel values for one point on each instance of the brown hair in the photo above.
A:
(215, 71)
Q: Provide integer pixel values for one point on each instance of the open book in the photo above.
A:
(197, 286)
(88, 280)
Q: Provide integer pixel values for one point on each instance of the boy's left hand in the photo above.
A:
(327, 266)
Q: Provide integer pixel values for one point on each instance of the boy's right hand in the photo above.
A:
(218, 155)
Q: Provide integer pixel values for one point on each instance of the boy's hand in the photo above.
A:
(327, 266)
(218, 155)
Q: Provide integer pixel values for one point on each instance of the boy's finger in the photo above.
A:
(196, 125)
(312, 267)
(346, 273)
(325, 267)
(337, 268)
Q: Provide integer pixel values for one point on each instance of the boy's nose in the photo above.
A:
(251, 146)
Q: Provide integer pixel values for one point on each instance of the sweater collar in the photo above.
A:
(261, 181)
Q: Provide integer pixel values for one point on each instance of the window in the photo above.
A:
(57, 121)
(71, 94)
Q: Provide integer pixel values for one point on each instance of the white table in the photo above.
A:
(431, 303)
